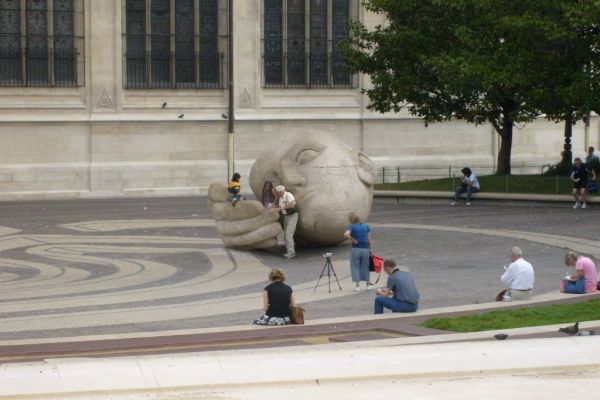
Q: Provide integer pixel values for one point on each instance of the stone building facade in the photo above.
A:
(131, 97)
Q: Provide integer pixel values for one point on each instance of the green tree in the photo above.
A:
(572, 70)
(477, 60)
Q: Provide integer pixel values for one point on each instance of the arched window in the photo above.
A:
(41, 43)
(301, 43)
(174, 43)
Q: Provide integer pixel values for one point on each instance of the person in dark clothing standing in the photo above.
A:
(579, 176)
(277, 300)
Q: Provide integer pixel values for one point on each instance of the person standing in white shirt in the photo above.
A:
(518, 276)
(287, 207)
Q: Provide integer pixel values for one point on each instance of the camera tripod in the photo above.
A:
(329, 266)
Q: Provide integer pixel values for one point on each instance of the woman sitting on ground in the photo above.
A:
(584, 280)
(277, 300)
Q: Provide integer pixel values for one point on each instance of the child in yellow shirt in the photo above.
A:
(234, 188)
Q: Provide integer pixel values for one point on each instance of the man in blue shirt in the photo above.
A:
(401, 294)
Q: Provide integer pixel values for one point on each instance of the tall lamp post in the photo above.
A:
(230, 113)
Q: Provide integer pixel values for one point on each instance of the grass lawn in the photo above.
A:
(521, 317)
(492, 183)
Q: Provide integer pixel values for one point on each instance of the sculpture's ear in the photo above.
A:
(366, 169)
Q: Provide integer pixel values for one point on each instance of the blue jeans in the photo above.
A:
(465, 189)
(393, 304)
(359, 264)
(577, 287)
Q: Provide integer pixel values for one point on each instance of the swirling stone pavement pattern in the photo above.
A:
(101, 267)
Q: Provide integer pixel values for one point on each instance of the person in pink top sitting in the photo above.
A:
(584, 280)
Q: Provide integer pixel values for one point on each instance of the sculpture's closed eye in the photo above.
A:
(307, 155)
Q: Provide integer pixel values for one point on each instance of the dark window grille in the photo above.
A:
(31, 52)
(184, 44)
(178, 48)
(273, 43)
(296, 49)
(64, 43)
(301, 45)
(318, 43)
(11, 72)
(209, 46)
(339, 70)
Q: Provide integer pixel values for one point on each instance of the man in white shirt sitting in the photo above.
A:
(518, 276)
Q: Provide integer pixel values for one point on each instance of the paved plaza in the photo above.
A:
(80, 268)
(137, 298)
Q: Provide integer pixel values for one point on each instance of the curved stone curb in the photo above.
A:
(219, 372)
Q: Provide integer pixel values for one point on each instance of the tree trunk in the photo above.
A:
(567, 154)
(506, 134)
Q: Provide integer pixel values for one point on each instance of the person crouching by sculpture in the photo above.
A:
(277, 300)
(401, 294)
(360, 235)
(287, 207)
(234, 189)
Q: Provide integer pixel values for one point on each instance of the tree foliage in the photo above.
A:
(483, 61)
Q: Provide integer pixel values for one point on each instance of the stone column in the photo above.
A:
(105, 18)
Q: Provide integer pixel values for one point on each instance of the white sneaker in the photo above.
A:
(576, 205)
(467, 203)
(583, 205)
(287, 255)
(453, 203)
(356, 289)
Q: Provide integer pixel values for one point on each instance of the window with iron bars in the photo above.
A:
(174, 43)
(41, 43)
(301, 41)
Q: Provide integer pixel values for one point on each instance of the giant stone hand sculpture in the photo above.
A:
(328, 178)
(247, 225)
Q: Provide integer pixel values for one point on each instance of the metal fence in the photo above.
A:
(397, 174)
(551, 184)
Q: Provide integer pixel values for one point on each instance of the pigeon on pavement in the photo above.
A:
(570, 330)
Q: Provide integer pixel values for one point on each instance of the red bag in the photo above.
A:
(375, 263)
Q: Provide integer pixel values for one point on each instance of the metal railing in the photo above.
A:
(449, 177)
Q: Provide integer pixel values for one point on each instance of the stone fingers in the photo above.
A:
(263, 235)
(245, 225)
(239, 227)
(243, 209)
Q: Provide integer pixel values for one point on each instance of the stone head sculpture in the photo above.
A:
(328, 178)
